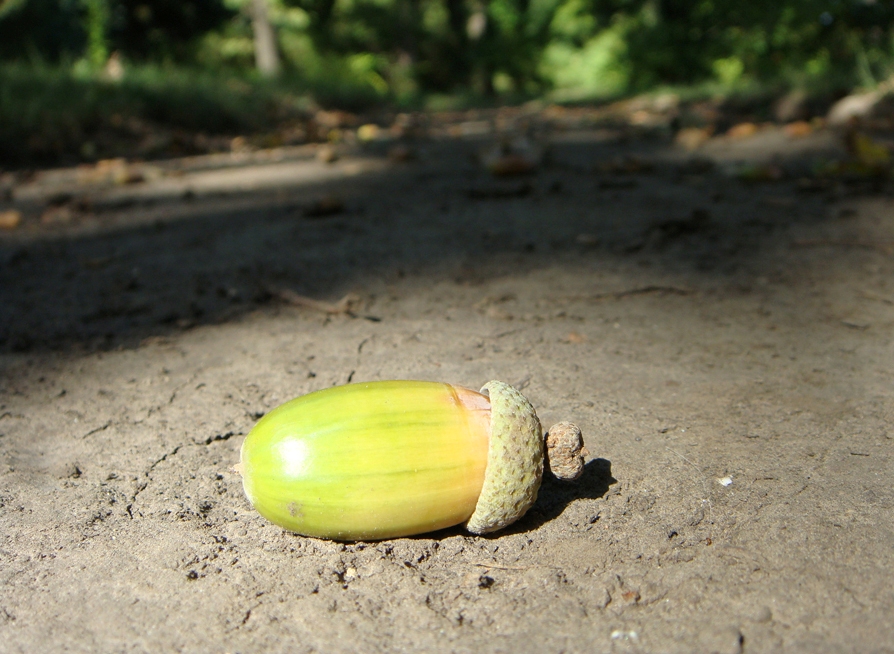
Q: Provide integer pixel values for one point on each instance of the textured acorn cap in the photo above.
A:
(514, 461)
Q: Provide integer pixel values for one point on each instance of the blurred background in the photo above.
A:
(83, 80)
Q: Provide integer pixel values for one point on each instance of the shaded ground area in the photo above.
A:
(718, 321)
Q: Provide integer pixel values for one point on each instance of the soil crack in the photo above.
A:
(219, 437)
(143, 486)
(96, 430)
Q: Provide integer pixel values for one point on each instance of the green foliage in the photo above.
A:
(348, 80)
(97, 28)
(40, 30)
(586, 57)
(685, 41)
(164, 30)
(64, 30)
(355, 52)
(47, 112)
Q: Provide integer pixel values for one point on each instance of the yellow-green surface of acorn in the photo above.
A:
(385, 459)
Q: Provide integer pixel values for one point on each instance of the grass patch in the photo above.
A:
(56, 115)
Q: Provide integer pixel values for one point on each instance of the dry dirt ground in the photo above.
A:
(725, 346)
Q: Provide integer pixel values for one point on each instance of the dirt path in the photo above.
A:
(726, 348)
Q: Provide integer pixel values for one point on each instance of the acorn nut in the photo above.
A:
(385, 459)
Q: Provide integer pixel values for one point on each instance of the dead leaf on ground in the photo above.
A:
(692, 138)
(631, 596)
(869, 158)
(647, 118)
(868, 152)
(112, 171)
(10, 219)
(798, 129)
(57, 215)
(324, 207)
(513, 156)
(327, 154)
(767, 172)
(511, 164)
(369, 132)
(335, 119)
(239, 145)
(401, 154)
(470, 128)
(742, 131)
(629, 165)
(129, 175)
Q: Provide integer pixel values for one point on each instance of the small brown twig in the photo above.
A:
(644, 290)
(344, 306)
(883, 247)
(869, 295)
(512, 567)
(630, 292)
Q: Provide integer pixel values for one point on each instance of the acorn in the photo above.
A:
(385, 459)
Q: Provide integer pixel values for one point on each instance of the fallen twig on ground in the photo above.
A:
(630, 292)
(869, 295)
(885, 247)
(344, 306)
(512, 567)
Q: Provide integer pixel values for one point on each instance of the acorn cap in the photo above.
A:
(514, 461)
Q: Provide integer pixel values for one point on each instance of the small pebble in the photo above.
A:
(763, 614)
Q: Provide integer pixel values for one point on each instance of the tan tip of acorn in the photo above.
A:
(565, 451)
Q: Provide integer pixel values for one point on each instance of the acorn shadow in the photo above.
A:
(555, 495)
(552, 500)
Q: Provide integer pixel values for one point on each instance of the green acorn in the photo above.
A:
(395, 458)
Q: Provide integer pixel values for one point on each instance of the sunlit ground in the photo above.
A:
(716, 316)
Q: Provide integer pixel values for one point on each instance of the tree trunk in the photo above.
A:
(266, 55)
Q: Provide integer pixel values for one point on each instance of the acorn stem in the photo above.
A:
(565, 451)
